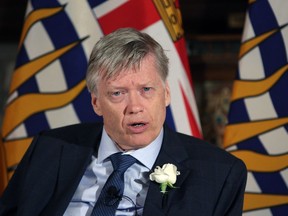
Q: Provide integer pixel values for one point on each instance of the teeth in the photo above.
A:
(137, 125)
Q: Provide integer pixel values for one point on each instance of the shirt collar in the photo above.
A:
(108, 147)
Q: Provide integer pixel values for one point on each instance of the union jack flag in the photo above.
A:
(48, 87)
(258, 116)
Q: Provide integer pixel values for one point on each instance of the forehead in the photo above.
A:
(146, 71)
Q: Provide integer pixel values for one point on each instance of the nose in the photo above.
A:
(134, 103)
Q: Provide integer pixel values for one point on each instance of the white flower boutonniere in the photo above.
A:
(166, 176)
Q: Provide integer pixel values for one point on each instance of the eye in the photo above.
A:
(116, 96)
(146, 89)
(116, 93)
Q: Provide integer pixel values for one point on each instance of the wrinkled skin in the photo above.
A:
(133, 105)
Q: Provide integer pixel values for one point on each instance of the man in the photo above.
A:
(65, 170)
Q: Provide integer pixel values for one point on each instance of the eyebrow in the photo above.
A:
(116, 86)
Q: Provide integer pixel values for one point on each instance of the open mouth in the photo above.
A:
(138, 127)
(140, 124)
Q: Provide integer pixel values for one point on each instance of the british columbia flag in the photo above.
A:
(48, 86)
(257, 131)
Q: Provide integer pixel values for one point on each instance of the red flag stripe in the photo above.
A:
(126, 16)
(181, 49)
(193, 124)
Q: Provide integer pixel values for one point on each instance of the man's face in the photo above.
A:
(133, 105)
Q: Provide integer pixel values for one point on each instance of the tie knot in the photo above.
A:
(121, 162)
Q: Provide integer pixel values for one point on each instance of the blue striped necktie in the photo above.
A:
(112, 191)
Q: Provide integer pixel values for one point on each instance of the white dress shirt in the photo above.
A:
(136, 178)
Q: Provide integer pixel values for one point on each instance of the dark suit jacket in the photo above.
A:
(211, 182)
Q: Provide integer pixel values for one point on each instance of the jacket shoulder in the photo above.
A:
(75, 133)
(201, 150)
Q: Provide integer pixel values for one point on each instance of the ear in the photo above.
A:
(167, 94)
(96, 105)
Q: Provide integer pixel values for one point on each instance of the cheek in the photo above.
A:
(159, 113)
(112, 115)
(110, 121)
(113, 122)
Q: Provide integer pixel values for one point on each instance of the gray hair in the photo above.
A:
(121, 50)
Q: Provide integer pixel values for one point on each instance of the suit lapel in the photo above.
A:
(171, 152)
(72, 167)
(73, 163)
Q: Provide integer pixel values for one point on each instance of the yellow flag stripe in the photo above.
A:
(257, 162)
(3, 168)
(242, 89)
(24, 72)
(16, 149)
(251, 1)
(260, 201)
(254, 42)
(21, 108)
(10, 174)
(235, 133)
(34, 17)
